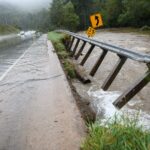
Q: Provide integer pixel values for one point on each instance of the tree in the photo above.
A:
(56, 13)
(111, 12)
(135, 13)
(63, 16)
(85, 8)
(71, 20)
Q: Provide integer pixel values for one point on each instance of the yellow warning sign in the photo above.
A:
(90, 32)
(96, 20)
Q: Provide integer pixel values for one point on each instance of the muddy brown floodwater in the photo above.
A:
(102, 101)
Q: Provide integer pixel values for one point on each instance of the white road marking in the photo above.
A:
(12, 66)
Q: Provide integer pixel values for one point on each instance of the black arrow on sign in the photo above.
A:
(97, 19)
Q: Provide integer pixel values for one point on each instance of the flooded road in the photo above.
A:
(33, 116)
(4, 37)
(131, 71)
(8, 56)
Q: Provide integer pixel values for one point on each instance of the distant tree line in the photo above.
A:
(116, 13)
(10, 15)
(74, 14)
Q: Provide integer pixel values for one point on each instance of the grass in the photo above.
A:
(58, 42)
(117, 134)
(7, 29)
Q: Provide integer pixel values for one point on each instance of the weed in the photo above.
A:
(58, 42)
(117, 134)
(7, 29)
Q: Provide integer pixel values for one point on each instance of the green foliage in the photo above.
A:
(74, 14)
(56, 11)
(117, 134)
(62, 15)
(10, 15)
(69, 69)
(7, 29)
(57, 40)
(111, 12)
(85, 8)
(135, 13)
(71, 20)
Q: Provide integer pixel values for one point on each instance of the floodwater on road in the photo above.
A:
(3, 37)
(102, 101)
(17, 91)
(33, 116)
(9, 55)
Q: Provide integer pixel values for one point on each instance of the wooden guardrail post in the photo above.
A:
(114, 73)
(75, 48)
(132, 90)
(71, 43)
(87, 55)
(98, 63)
(80, 50)
(123, 54)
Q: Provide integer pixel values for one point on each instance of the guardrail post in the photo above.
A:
(133, 90)
(80, 50)
(71, 43)
(123, 55)
(114, 73)
(75, 48)
(98, 63)
(67, 43)
(87, 55)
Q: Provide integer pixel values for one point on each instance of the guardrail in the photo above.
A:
(123, 55)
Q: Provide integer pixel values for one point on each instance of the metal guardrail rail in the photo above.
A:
(123, 55)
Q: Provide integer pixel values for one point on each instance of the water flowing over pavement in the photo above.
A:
(102, 101)
(4, 37)
(8, 56)
(37, 109)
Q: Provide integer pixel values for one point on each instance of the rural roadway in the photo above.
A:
(37, 108)
(7, 37)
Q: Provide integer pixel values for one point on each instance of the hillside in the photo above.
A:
(7, 29)
(8, 14)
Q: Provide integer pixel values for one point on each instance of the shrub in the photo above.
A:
(58, 42)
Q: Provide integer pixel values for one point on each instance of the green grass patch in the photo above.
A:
(7, 29)
(58, 43)
(117, 134)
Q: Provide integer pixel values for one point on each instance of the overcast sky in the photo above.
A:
(29, 4)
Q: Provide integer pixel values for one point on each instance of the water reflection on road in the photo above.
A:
(33, 116)
(8, 56)
(17, 90)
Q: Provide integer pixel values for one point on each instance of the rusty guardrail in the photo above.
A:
(123, 55)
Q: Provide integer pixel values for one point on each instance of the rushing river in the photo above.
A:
(102, 101)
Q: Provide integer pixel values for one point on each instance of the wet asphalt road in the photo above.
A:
(33, 116)
(9, 55)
